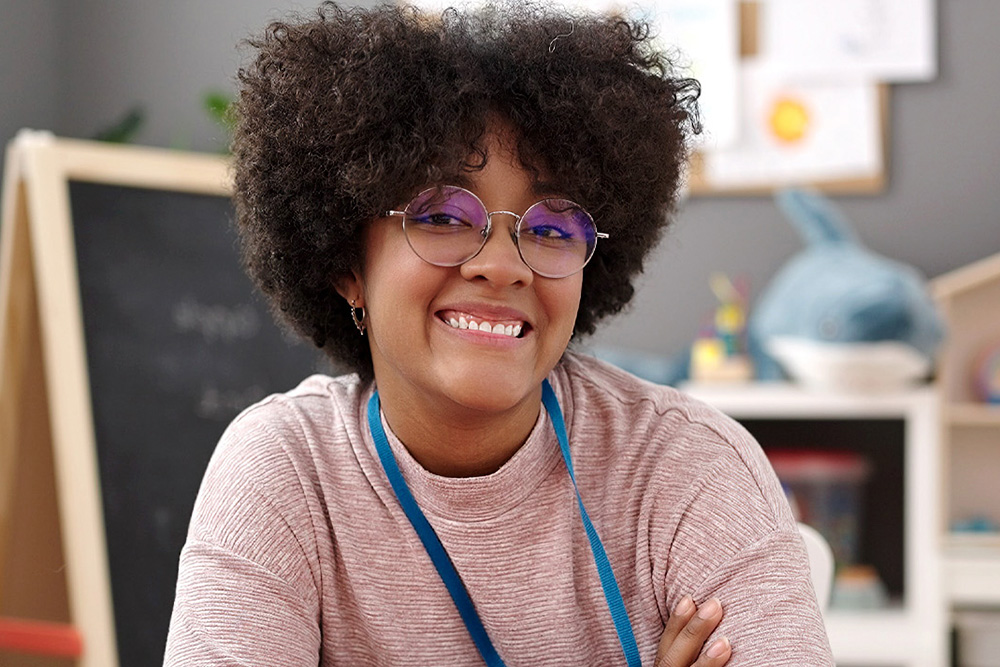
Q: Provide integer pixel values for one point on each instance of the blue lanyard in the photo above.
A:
(446, 569)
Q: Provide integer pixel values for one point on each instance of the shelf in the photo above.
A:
(972, 414)
(973, 580)
(914, 632)
(976, 545)
(790, 401)
(878, 637)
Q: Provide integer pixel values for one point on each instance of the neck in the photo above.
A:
(457, 441)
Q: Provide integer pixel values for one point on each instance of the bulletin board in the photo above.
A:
(867, 180)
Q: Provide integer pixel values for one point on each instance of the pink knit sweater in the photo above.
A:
(299, 554)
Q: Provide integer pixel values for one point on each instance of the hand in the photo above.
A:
(685, 634)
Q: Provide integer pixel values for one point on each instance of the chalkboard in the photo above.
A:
(177, 345)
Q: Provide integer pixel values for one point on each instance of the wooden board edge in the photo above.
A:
(143, 167)
(66, 375)
(16, 290)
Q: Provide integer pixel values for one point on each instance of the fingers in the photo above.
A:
(718, 653)
(683, 612)
(685, 634)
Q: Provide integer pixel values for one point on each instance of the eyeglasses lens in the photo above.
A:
(556, 238)
(446, 226)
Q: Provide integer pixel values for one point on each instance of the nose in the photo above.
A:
(499, 262)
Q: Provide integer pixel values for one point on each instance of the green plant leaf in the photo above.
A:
(218, 106)
(125, 129)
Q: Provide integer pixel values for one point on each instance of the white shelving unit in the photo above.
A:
(969, 300)
(914, 633)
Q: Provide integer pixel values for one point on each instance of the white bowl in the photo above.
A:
(861, 367)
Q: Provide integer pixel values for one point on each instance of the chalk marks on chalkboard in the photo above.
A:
(216, 322)
(221, 325)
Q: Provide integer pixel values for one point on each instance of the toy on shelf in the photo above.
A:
(858, 587)
(986, 374)
(720, 352)
(838, 315)
(824, 490)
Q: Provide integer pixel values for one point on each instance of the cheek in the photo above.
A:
(392, 272)
(563, 303)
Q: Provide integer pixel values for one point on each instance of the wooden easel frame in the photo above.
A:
(40, 299)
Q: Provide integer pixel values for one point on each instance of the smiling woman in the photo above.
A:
(443, 203)
(436, 381)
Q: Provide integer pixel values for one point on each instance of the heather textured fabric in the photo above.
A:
(299, 554)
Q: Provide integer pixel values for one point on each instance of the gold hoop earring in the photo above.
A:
(359, 322)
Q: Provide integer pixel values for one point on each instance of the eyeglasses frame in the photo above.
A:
(488, 230)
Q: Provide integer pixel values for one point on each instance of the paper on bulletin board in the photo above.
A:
(888, 40)
(707, 35)
(799, 130)
(703, 38)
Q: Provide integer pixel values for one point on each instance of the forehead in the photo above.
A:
(498, 142)
(500, 152)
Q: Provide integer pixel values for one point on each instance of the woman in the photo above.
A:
(442, 204)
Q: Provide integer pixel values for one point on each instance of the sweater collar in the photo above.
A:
(481, 498)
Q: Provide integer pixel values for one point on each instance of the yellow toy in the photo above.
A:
(719, 353)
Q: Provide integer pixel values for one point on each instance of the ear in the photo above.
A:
(351, 287)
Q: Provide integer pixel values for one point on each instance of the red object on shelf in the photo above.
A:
(40, 637)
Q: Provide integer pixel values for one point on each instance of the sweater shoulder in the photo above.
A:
(591, 380)
(268, 461)
(668, 434)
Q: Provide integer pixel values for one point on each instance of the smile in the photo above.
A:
(511, 329)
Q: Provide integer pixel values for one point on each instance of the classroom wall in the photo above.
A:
(28, 65)
(84, 63)
(941, 208)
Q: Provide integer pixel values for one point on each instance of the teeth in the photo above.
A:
(512, 330)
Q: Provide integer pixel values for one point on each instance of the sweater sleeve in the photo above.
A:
(247, 588)
(735, 539)
(770, 612)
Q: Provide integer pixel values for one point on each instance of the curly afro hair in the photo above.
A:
(345, 115)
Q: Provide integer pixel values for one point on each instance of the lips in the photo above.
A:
(493, 323)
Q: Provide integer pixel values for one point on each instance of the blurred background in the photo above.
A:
(78, 67)
(147, 68)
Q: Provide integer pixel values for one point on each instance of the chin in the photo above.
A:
(490, 391)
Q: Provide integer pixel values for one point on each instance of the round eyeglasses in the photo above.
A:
(448, 225)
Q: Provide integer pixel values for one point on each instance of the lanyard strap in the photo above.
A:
(611, 591)
(446, 569)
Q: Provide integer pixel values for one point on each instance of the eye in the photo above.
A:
(438, 222)
(441, 220)
(829, 329)
(551, 232)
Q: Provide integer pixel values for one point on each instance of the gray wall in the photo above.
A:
(29, 65)
(74, 66)
(941, 209)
